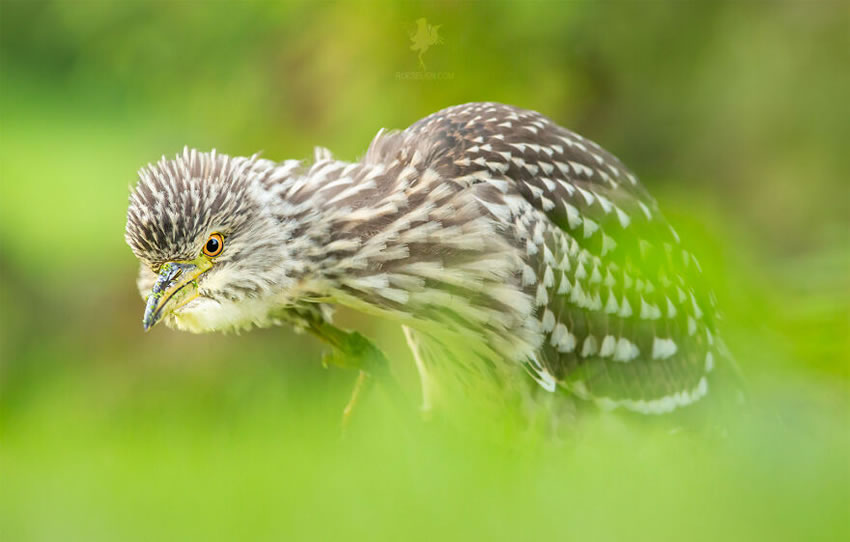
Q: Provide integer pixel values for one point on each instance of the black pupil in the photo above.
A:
(212, 245)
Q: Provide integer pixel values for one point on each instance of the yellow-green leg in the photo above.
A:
(350, 350)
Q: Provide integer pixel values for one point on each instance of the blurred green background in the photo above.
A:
(735, 115)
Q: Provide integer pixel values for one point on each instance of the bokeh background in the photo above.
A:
(734, 114)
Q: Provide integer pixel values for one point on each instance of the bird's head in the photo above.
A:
(211, 246)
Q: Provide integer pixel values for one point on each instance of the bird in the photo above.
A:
(514, 253)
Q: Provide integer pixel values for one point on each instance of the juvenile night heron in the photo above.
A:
(503, 243)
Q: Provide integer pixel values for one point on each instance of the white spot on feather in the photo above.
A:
(589, 348)
(663, 348)
(529, 277)
(542, 297)
(611, 306)
(649, 311)
(573, 216)
(564, 286)
(623, 217)
(609, 345)
(626, 350)
(548, 277)
(548, 320)
(590, 227)
(625, 308)
(671, 309)
(587, 195)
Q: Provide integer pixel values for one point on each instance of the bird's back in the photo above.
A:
(493, 222)
(623, 313)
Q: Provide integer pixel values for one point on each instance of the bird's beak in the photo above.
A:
(175, 286)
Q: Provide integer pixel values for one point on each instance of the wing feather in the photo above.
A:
(626, 315)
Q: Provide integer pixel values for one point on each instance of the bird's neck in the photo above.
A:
(332, 212)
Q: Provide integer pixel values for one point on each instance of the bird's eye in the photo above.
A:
(214, 245)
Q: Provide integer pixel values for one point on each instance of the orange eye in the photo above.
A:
(214, 245)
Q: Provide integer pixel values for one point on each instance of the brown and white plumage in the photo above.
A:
(483, 224)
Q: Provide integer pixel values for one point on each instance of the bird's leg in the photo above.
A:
(421, 367)
(350, 350)
(364, 381)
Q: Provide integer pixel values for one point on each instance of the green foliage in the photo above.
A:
(733, 114)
